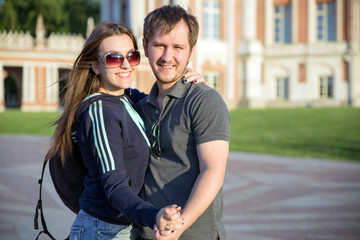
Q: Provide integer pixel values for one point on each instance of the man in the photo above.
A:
(188, 126)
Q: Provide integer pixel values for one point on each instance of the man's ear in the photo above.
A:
(145, 44)
(95, 67)
(192, 53)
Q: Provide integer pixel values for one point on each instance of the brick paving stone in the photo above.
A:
(265, 197)
(273, 197)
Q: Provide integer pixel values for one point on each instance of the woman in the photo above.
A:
(98, 116)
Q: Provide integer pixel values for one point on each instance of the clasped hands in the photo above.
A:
(168, 221)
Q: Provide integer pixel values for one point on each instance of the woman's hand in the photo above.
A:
(194, 77)
(169, 219)
(173, 236)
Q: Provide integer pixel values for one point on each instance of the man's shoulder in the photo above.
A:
(204, 99)
(198, 88)
(203, 92)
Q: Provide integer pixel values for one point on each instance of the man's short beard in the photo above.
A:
(167, 82)
(173, 80)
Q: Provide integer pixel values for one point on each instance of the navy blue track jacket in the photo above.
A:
(116, 154)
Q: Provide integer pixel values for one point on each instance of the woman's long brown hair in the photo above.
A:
(82, 82)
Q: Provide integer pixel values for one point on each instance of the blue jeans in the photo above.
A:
(86, 227)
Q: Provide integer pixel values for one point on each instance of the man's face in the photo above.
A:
(169, 54)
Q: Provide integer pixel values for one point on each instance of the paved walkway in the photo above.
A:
(266, 197)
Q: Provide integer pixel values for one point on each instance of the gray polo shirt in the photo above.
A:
(192, 114)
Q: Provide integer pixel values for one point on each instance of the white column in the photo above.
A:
(182, 3)
(253, 75)
(28, 83)
(230, 38)
(294, 21)
(339, 20)
(166, 2)
(251, 54)
(269, 22)
(52, 84)
(355, 33)
(32, 87)
(249, 19)
(198, 12)
(137, 13)
(355, 48)
(199, 15)
(151, 6)
(311, 21)
(136, 16)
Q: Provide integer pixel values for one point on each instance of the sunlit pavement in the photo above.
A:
(266, 197)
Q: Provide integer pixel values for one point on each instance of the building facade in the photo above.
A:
(31, 67)
(266, 53)
(255, 53)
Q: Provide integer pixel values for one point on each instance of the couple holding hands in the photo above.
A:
(145, 153)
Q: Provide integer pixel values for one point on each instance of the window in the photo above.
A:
(212, 19)
(326, 87)
(124, 12)
(326, 30)
(282, 24)
(282, 88)
(214, 81)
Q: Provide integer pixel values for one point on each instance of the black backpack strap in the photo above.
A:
(39, 208)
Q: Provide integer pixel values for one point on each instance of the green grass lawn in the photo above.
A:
(332, 133)
(16, 122)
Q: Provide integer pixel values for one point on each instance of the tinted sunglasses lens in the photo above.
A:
(114, 60)
(133, 58)
(155, 149)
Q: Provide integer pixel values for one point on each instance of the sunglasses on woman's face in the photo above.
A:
(114, 60)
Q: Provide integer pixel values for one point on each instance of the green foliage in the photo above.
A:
(8, 16)
(79, 11)
(61, 16)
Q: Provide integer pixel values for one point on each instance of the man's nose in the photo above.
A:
(167, 54)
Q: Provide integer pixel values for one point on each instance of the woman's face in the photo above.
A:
(115, 75)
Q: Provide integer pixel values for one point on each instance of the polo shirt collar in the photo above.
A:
(178, 91)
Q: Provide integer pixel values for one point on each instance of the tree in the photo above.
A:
(8, 16)
(79, 11)
(62, 16)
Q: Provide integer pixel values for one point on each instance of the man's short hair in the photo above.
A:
(166, 18)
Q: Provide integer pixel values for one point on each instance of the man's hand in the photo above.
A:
(169, 219)
(172, 236)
